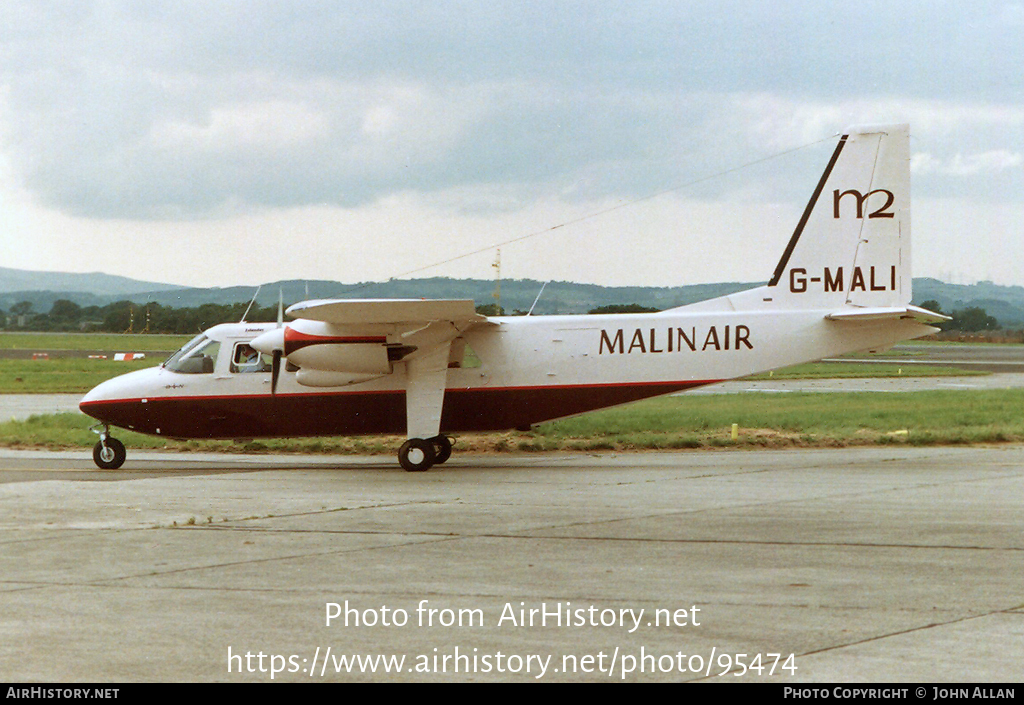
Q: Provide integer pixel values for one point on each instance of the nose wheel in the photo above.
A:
(109, 453)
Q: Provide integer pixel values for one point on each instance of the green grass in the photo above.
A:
(678, 422)
(69, 375)
(847, 370)
(75, 375)
(91, 341)
(808, 419)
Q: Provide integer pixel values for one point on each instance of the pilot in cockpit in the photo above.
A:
(248, 359)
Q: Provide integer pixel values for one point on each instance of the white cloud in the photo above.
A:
(463, 117)
(275, 125)
(1012, 14)
(786, 121)
(961, 240)
(993, 161)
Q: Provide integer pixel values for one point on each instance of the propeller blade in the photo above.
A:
(280, 308)
(275, 371)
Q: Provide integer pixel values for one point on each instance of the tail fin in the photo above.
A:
(852, 244)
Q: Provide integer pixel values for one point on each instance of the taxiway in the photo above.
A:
(894, 564)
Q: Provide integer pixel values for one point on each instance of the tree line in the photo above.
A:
(126, 316)
(973, 319)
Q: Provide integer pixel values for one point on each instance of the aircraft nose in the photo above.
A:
(269, 342)
(104, 391)
(114, 392)
(97, 402)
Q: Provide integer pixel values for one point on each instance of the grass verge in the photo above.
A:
(67, 375)
(851, 370)
(127, 342)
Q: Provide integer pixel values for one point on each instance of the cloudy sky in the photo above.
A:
(218, 142)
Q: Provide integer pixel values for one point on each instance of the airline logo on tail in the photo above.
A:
(882, 212)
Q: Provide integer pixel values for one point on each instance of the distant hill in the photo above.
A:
(95, 283)
(558, 297)
(1006, 303)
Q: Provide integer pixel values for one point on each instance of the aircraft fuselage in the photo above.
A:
(531, 370)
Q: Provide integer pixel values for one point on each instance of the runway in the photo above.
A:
(882, 564)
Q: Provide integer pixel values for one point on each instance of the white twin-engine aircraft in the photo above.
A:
(348, 367)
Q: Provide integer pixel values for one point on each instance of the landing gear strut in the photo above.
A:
(109, 453)
(420, 454)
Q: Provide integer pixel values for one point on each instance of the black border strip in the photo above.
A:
(807, 214)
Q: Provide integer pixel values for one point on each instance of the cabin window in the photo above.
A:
(247, 359)
(199, 356)
(470, 360)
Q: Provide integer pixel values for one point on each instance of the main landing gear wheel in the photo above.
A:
(417, 454)
(442, 448)
(109, 453)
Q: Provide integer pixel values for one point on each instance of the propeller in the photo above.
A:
(272, 343)
(275, 369)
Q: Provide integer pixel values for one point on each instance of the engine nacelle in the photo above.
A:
(322, 378)
(361, 358)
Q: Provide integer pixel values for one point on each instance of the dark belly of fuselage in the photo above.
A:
(362, 413)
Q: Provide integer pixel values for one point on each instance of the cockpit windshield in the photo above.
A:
(198, 356)
(185, 348)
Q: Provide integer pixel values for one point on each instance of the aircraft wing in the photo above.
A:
(917, 313)
(336, 342)
(343, 341)
(393, 311)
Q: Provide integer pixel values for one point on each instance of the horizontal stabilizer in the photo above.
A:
(916, 313)
(355, 311)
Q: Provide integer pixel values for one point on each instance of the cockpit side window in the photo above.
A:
(198, 357)
(247, 359)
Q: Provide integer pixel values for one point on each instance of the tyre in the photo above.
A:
(416, 455)
(442, 449)
(110, 456)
